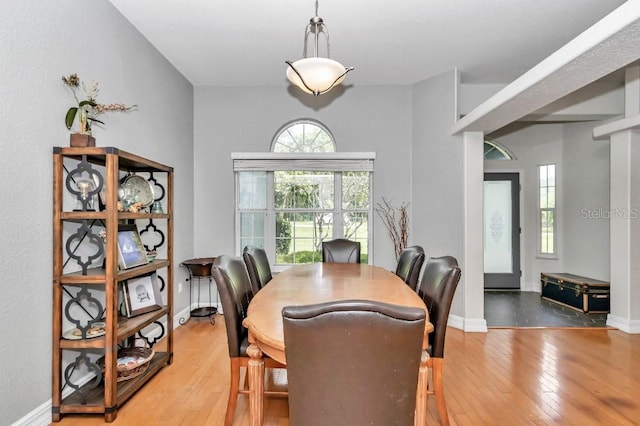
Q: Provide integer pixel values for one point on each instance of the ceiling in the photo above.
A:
(245, 42)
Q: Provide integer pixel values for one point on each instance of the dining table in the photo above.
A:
(318, 283)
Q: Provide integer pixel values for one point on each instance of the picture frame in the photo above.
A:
(142, 295)
(131, 251)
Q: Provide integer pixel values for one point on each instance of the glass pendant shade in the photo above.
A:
(316, 75)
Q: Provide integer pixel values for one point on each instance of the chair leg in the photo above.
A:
(438, 390)
(233, 391)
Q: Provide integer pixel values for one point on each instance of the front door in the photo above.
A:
(502, 231)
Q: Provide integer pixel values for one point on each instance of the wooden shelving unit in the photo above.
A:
(86, 279)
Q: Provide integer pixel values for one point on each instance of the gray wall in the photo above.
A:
(239, 119)
(39, 42)
(586, 202)
(438, 170)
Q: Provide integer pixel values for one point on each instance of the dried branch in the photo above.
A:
(396, 220)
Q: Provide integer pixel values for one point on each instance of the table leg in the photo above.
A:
(421, 396)
(255, 369)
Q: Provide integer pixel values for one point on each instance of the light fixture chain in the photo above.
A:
(326, 31)
(316, 7)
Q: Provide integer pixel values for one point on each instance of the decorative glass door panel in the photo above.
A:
(502, 230)
(497, 227)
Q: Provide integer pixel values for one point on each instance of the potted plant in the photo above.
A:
(86, 110)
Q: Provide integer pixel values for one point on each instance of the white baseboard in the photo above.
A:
(475, 325)
(468, 324)
(183, 314)
(534, 287)
(456, 321)
(623, 324)
(40, 416)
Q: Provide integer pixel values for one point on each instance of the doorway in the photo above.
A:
(502, 231)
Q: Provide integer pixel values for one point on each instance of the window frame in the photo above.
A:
(276, 138)
(541, 210)
(505, 152)
(336, 162)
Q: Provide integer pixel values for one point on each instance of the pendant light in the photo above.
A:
(316, 75)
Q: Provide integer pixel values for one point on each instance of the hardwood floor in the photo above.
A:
(503, 377)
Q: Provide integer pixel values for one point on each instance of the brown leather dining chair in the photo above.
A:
(258, 267)
(352, 362)
(410, 264)
(341, 250)
(439, 282)
(232, 281)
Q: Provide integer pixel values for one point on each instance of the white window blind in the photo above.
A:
(334, 161)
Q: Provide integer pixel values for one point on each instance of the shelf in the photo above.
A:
(127, 327)
(126, 160)
(144, 269)
(78, 216)
(95, 397)
(82, 215)
(95, 343)
(130, 215)
(104, 396)
(97, 275)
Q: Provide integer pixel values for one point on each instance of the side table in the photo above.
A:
(200, 268)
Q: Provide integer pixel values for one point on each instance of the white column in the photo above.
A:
(632, 91)
(625, 231)
(625, 209)
(473, 272)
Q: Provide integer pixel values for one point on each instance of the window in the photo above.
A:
(493, 150)
(547, 209)
(292, 199)
(303, 136)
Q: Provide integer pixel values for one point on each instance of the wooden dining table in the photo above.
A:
(318, 283)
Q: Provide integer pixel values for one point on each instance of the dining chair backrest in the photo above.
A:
(258, 267)
(341, 250)
(410, 264)
(437, 288)
(234, 287)
(352, 362)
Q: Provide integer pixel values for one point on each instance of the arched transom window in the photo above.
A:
(303, 136)
(493, 150)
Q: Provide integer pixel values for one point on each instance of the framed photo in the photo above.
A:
(142, 295)
(131, 251)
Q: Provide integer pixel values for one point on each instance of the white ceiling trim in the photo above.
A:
(610, 44)
(627, 123)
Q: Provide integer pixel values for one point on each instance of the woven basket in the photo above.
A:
(132, 362)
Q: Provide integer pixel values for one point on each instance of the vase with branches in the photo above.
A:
(396, 220)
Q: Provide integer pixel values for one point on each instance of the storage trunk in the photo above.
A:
(575, 291)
